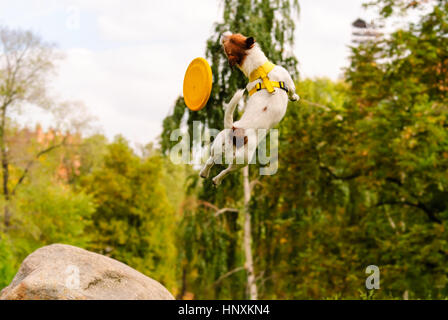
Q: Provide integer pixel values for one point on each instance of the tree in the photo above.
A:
(133, 221)
(25, 64)
(272, 24)
(399, 83)
(46, 209)
(293, 210)
(363, 173)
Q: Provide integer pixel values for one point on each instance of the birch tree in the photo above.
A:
(272, 24)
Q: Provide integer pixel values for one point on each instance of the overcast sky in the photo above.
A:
(126, 59)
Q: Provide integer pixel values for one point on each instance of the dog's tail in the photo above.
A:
(230, 108)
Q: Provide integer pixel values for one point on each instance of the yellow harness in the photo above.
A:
(262, 73)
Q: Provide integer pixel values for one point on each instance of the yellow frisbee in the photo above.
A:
(197, 84)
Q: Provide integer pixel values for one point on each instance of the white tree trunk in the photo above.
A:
(249, 265)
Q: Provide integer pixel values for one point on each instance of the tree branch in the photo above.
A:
(208, 205)
(216, 209)
(332, 174)
(418, 205)
(30, 163)
(253, 183)
(336, 177)
(316, 104)
(226, 275)
(224, 210)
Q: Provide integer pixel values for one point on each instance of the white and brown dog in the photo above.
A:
(269, 88)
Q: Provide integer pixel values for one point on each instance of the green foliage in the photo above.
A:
(50, 213)
(321, 219)
(91, 153)
(363, 175)
(8, 263)
(212, 250)
(133, 222)
(215, 243)
(388, 8)
(43, 213)
(362, 178)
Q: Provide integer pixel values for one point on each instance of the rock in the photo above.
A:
(64, 272)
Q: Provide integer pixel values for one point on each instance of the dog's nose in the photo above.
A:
(225, 36)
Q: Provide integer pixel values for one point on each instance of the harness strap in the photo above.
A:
(275, 84)
(262, 73)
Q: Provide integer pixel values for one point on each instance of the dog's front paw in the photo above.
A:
(294, 97)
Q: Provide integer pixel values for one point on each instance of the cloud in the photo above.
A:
(145, 21)
(129, 89)
(131, 83)
(323, 34)
(127, 60)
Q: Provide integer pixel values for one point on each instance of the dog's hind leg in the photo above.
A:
(232, 167)
(205, 171)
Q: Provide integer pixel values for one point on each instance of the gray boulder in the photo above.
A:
(61, 272)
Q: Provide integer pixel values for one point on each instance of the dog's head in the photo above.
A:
(236, 47)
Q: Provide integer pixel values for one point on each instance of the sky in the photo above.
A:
(125, 60)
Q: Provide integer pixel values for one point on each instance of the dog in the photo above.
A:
(270, 86)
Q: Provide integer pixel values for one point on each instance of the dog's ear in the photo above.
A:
(250, 42)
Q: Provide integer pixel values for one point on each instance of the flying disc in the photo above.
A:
(197, 84)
